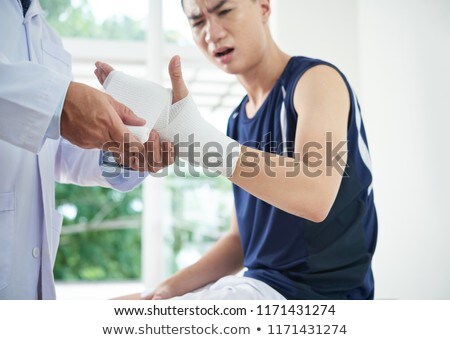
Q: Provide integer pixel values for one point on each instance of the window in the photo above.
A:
(97, 19)
(101, 237)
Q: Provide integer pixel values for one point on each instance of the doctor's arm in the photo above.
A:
(74, 165)
(110, 168)
(31, 95)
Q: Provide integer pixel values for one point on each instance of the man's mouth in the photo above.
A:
(223, 52)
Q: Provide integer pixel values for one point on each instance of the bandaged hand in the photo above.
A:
(175, 116)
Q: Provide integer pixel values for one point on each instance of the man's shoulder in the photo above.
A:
(299, 66)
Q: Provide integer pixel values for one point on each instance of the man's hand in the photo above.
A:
(102, 71)
(162, 292)
(179, 88)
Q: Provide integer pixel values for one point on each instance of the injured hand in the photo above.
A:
(181, 123)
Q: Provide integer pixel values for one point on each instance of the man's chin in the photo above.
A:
(229, 68)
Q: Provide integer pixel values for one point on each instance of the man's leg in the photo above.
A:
(234, 288)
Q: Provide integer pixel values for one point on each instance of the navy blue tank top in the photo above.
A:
(297, 257)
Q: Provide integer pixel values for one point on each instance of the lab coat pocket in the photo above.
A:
(56, 233)
(56, 58)
(7, 224)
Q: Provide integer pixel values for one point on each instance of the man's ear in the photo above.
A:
(266, 9)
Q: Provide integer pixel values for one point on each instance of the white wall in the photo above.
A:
(405, 73)
(397, 55)
(323, 29)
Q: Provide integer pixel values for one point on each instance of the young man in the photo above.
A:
(303, 234)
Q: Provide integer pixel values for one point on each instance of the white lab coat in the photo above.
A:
(35, 72)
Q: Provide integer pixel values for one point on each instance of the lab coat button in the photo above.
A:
(36, 252)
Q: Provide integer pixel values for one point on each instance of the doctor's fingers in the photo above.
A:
(150, 159)
(154, 153)
(168, 153)
(118, 133)
(159, 155)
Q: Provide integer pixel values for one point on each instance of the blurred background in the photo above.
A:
(396, 56)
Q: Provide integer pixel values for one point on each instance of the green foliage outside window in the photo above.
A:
(93, 253)
(79, 21)
(103, 241)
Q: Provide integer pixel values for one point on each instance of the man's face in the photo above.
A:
(229, 32)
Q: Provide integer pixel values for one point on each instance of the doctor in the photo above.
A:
(46, 123)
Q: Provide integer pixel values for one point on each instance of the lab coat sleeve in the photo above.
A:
(74, 165)
(29, 96)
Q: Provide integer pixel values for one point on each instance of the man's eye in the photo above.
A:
(224, 12)
(198, 23)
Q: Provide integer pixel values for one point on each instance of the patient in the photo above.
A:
(304, 224)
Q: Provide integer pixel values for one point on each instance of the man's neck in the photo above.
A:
(259, 81)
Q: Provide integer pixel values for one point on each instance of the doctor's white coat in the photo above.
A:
(35, 72)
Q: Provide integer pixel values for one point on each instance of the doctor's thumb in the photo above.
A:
(126, 114)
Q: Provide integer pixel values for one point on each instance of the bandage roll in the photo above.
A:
(140, 132)
(146, 99)
(197, 141)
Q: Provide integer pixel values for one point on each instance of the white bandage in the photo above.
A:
(140, 132)
(197, 140)
(146, 99)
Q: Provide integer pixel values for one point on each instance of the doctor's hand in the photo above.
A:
(156, 155)
(91, 118)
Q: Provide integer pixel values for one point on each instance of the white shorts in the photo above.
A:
(234, 288)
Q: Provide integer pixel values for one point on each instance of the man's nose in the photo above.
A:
(214, 32)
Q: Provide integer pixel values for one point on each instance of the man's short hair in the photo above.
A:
(182, 3)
